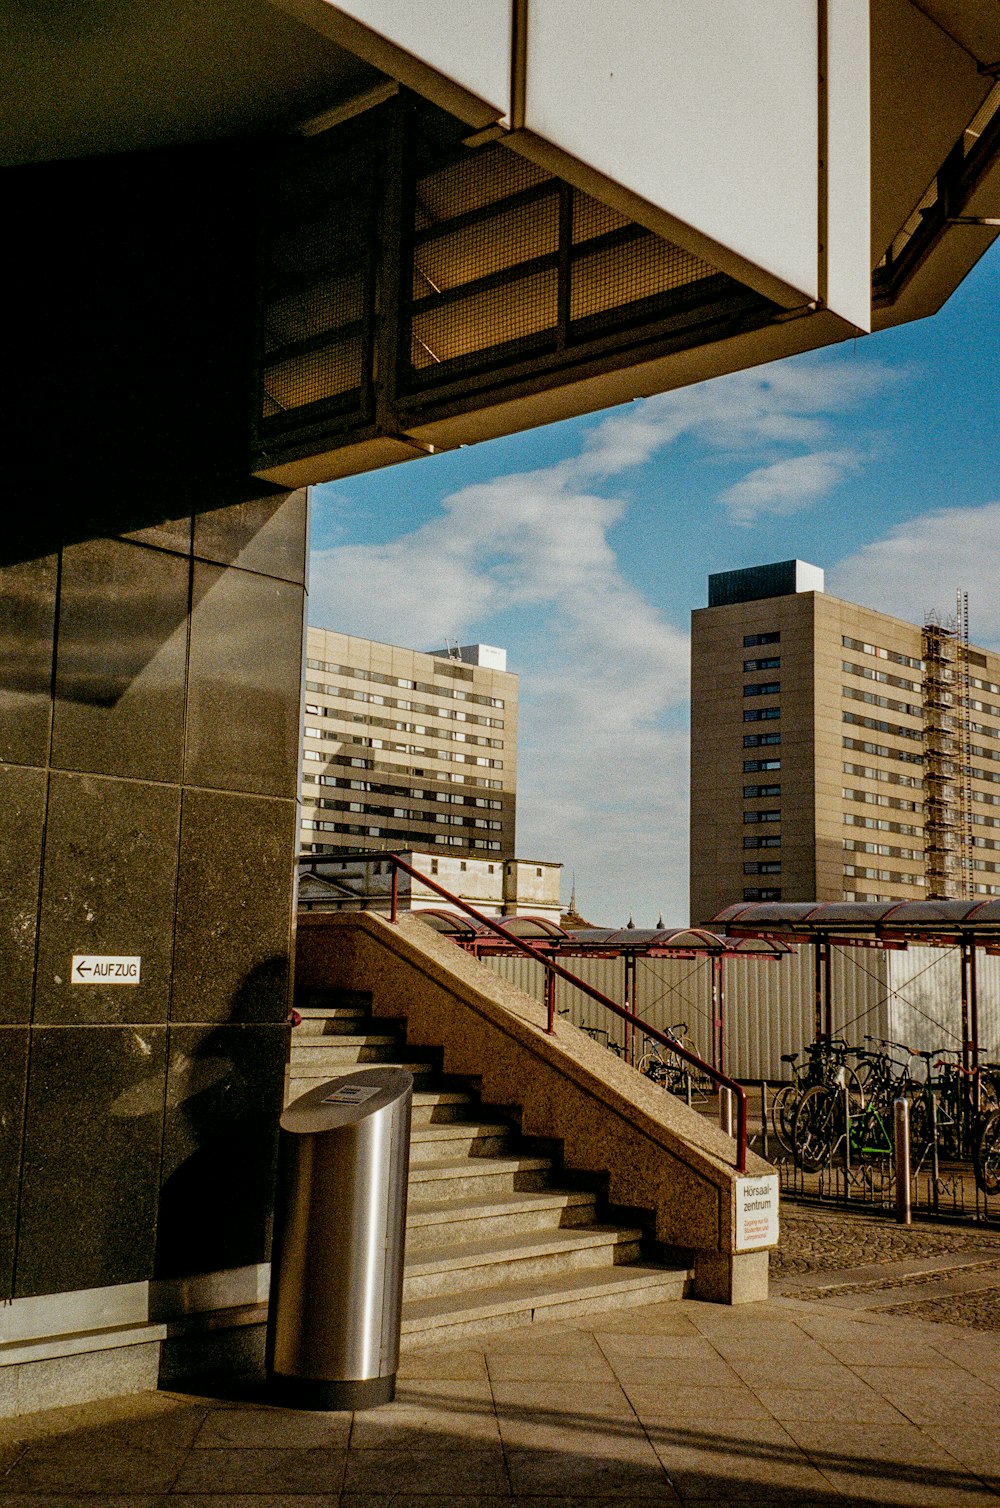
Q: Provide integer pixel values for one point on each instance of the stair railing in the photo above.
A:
(555, 971)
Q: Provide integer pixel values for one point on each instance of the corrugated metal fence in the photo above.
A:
(912, 996)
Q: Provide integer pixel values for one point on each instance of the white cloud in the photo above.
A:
(602, 778)
(918, 566)
(789, 485)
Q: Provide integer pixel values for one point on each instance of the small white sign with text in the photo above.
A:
(756, 1212)
(99, 968)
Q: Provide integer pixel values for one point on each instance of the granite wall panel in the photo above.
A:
(233, 908)
(266, 535)
(224, 1096)
(108, 888)
(22, 822)
(121, 660)
(244, 692)
(13, 1080)
(91, 1157)
(27, 615)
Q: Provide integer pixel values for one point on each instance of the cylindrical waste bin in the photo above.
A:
(340, 1226)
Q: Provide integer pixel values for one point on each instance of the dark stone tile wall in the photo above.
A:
(149, 710)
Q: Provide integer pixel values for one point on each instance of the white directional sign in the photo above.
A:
(756, 1212)
(95, 968)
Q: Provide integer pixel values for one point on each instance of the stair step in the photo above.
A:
(446, 1317)
(535, 1255)
(477, 1177)
(439, 1107)
(432, 1223)
(343, 1049)
(457, 1140)
(329, 1024)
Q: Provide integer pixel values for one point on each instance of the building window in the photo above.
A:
(753, 766)
(769, 840)
(752, 791)
(771, 866)
(753, 740)
(768, 816)
(761, 714)
(750, 641)
(756, 893)
(774, 663)
(762, 688)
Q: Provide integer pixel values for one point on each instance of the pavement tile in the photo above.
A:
(529, 1366)
(545, 1340)
(240, 1500)
(422, 1500)
(71, 1465)
(618, 1439)
(657, 1319)
(739, 1459)
(601, 1400)
(290, 1470)
(558, 1473)
(695, 1372)
(665, 1401)
(662, 1344)
(272, 1429)
(818, 1375)
(87, 1500)
(473, 1469)
(460, 1365)
(425, 1427)
(844, 1402)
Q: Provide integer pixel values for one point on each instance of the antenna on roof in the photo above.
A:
(454, 649)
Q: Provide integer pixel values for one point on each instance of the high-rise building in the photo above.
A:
(837, 753)
(404, 750)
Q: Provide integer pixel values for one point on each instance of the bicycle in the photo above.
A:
(827, 1065)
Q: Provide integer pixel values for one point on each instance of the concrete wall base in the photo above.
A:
(737, 1278)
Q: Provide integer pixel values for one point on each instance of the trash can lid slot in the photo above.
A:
(346, 1101)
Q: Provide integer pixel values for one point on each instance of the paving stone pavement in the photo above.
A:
(686, 1403)
(938, 1272)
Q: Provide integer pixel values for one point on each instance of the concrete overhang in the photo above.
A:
(853, 168)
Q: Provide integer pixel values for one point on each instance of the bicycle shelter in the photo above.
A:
(966, 925)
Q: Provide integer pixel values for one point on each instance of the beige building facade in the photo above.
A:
(364, 882)
(837, 753)
(407, 750)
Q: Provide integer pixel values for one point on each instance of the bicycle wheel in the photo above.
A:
(986, 1159)
(814, 1128)
(782, 1111)
(653, 1067)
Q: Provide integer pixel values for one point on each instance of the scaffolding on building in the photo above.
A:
(947, 754)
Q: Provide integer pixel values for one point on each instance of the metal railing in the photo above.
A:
(555, 971)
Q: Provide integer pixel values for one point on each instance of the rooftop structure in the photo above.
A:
(364, 882)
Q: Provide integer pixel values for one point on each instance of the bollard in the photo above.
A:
(935, 1158)
(726, 1110)
(687, 1088)
(763, 1119)
(901, 1116)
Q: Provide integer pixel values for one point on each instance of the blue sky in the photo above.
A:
(583, 547)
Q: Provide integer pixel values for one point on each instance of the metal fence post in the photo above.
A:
(932, 1109)
(847, 1141)
(763, 1119)
(901, 1116)
(726, 1110)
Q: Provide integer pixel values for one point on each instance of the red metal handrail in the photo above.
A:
(554, 970)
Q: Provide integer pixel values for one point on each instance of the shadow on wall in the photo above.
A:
(225, 1088)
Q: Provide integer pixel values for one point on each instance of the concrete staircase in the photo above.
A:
(492, 1240)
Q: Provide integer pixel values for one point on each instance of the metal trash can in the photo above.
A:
(340, 1226)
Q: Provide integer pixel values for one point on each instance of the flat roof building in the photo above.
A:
(403, 749)
(837, 753)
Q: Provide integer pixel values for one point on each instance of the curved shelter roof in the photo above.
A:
(944, 921)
